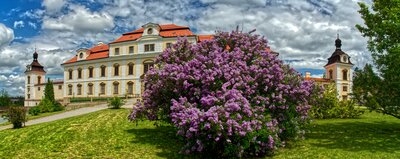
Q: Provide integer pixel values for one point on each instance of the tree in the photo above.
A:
(382, 25)
(227, 97)
(5, 100)
(49, 91)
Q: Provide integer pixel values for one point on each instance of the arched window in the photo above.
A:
(116, 69)
(90, 89)
(79, 73)
(39, 78)
(70, 74)
(90, 72)
(103, 71)
(130, 87)
(70, 89)
(330, 74)
(344, 74)
(29, 79)
(79, 89)
(130, 68)
(116, 86)
(102, 88)
(147, 65)
(150, 31)
(81, 55)
(344, 59)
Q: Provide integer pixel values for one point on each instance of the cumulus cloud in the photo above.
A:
(53, 6)
(6, 35)
(79, 19)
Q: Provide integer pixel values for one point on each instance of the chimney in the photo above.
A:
(308, 74)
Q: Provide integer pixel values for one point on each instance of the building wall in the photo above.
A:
(123, 59)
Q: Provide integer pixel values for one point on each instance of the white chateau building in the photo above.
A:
(107, 70)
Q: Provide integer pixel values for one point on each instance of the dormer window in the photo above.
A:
(81, 55)
(150, 31)
(344, 59)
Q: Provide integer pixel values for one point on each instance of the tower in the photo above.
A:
(34, 77)
(339, 70)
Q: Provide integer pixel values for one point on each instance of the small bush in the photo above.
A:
(329, 106)
(115, 103)
(16, 116)
(34, 111)
(46, 106)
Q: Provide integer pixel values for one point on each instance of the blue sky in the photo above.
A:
(302, 31)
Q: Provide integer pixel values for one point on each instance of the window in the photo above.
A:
(147, 65)
(344, 88)
(81, 55)
(131, 49)
(29, 79)
(130, 87)
(69, 89)
(90, 72)
(344, 59)
(116, 69)
(70, 74)
(169, 45)
(29, 96)
(116, 85)
(29, 89)
(60, 87)
(150, 31)
(90, 89)
(330, 74)
(130, 69)
(79, 73)
(38, 88)
(79, 89)
(102, 88)
(344, 75)
(148, 47)
(39, 78)
(344, 97)
(103, 71)
(116, 51)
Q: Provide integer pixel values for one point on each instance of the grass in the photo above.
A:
(107, 134)
(372, 136)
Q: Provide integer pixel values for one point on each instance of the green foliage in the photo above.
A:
(49, 91)
(382, 25)
(115, 102)
(34, 111)
(48, 103)
(329, 106)
(16, 116)
(87, 99)
(5, 100)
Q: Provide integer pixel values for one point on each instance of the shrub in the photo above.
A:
(16, 116)
(227, 96)
(46, 105)
(34, 110)
(329, 106)
(115, 103)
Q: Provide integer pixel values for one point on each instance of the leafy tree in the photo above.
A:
(382, 25)
(5, 100)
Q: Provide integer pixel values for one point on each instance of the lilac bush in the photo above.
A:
(227, 96)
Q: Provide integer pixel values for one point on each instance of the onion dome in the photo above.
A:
(338, 56)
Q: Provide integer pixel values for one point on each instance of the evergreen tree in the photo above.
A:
(49, 91)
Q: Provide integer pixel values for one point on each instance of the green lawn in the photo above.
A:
(107, 134)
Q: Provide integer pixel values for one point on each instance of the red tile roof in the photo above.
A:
(204, 37)
(167, 30)
(318, 79)
(96, 52)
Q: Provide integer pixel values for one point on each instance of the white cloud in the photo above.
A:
(32, 24)
(18, 24)
(53, 6)
(6, 35)
(79, 19)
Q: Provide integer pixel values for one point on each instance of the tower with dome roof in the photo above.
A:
(34, 75)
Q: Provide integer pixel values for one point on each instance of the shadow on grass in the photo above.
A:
(163, 137)
(357, 136)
